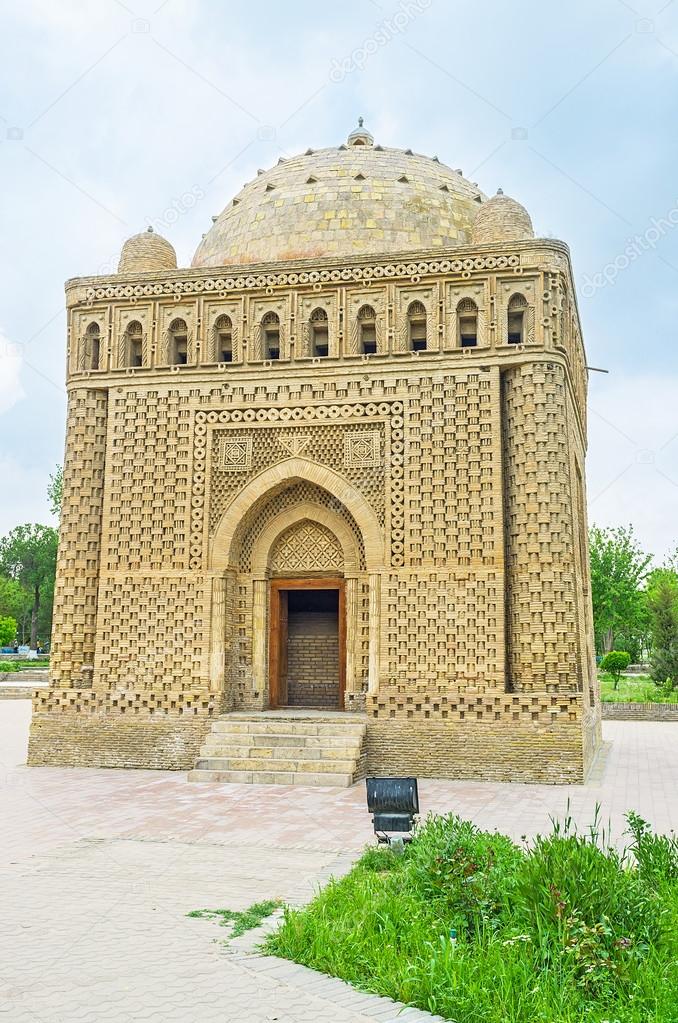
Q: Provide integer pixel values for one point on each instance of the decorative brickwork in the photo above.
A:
(75, 594)
(307, 547)
(412, 424)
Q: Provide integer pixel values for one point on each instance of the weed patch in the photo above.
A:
(472, 926)
(239, 921)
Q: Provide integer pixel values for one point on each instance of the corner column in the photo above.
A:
(375, 631)
(259, 638)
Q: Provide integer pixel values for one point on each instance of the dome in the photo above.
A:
(147, 251)
(501, 219)
(354, 199)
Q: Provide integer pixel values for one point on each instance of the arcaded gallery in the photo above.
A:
(324, 497)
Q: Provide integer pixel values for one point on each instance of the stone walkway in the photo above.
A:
(99, 868)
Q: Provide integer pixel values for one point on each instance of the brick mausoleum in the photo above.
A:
(324, 508)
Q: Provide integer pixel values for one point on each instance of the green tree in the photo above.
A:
(15, 602)
(55, 490)
(28, 555)
(618, 568)
(7, 630)
(662, 601)
(615, 663)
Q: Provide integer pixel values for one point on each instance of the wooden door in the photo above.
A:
(278, 634)
(277, 649)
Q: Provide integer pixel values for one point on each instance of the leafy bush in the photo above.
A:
(567, 930)
(581, 906)
(7, 630)
(615, 663)
(663, 605)
(656, 855)
(466, 872)
(7, 666)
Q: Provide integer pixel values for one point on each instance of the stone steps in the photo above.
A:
(283, 748)
(314, 766)
(285, 726)
(217, 743)
(272, 778)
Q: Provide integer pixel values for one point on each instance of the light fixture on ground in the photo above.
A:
(393, 803)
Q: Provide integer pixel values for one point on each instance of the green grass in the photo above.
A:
(640, 689)
(14, 666)
(565, 931)
(239, 921)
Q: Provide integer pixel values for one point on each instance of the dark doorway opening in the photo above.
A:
(307, 644)
(313, 649)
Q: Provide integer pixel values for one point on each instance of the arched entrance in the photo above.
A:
(300, 563)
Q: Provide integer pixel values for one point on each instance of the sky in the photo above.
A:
(115, 116)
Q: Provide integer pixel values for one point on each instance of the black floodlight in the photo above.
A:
(393, 802)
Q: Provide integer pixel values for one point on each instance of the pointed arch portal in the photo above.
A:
(306, 565)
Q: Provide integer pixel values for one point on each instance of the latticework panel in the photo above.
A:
(75, 593)
(306, 547)
(151, 633)
(452, 481)
(540, 570)
(296, 494)
(240, 453)
(443, 632)
(148, 482)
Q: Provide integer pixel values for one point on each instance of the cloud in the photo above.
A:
(29, 495)
(11, 390)
(632, 464)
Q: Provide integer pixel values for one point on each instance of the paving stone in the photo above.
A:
(98, 870)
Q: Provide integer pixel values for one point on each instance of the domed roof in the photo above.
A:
(146, 251)
(357, 198)
(501, 219)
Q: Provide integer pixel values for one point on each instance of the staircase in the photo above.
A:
(285, 747)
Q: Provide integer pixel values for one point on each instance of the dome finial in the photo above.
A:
(145, 252)
(501, 219)
(360, 136)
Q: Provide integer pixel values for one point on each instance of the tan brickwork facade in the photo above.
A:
(425, 444)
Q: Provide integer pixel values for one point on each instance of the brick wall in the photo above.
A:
(640, 711)
(83, 728)
(313, 660)
(475, 749)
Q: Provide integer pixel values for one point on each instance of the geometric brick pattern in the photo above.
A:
(362, 450)
(453, 475)
(270, 444)
(307, 546)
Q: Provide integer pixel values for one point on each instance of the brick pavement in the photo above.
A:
(98, 869)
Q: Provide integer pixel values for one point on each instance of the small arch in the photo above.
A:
(270, 335)
(516, 315)
(283, 473)
(134, 344)
(467, 323)
(367, 330)
(178, 343)
(416, 327)
(223, 333)
(291, 516)
(93, 347)
(319, 333)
